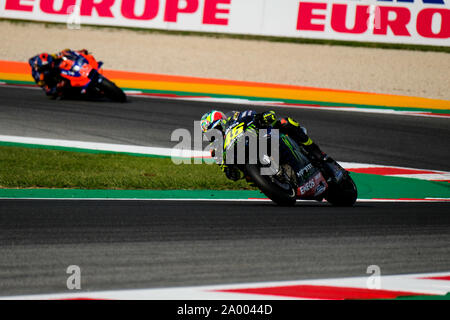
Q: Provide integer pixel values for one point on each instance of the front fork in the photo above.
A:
(334, 173)
(95, 77)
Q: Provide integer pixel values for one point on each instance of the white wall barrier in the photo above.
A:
(395, 21)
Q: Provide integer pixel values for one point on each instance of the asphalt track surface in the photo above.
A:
(145, 244)
(416, 142)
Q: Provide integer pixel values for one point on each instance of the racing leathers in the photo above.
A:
(287, 126)
(46, 75)
(45, 71)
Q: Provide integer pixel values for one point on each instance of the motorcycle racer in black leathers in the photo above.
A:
(217, 120)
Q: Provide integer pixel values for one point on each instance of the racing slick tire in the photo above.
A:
(343, 194)
(111, 91)
(283, 196)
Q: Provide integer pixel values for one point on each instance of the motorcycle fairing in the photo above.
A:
(310, 181)
(76, 67)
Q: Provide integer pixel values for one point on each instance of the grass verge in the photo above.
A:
(29, 171)
(38, 168)
(380, 45)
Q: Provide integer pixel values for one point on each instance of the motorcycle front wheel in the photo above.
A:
(111, 91)
(343, 194)
(282, 194)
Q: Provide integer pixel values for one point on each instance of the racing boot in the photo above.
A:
(329, 167)
(317, 157)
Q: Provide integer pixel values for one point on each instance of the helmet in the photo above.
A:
(43, 61)
(212, 119)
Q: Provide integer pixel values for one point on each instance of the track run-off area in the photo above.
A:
(178, 244)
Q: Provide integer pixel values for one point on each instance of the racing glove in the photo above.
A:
(324, 162)
(265, 119)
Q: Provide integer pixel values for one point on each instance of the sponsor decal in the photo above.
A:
(305, 170)
(321, 184)
(307, 187)
(315, 186)
(396, 21)
(403, 18)
(140, 10)
(320, 188)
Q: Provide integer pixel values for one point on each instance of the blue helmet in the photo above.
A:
(43, 61)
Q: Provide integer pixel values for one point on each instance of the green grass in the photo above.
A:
(38, 168)
(253, 37)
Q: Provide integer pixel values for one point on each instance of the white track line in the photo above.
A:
(280, 104)
(184, 153)
(169, 152)
(414, 283)
(221, 200)
(277, 104)
(144, 199)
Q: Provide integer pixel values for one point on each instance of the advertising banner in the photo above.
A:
(424, 22)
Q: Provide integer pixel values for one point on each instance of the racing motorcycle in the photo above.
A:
(294, 176)
(81, 75)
